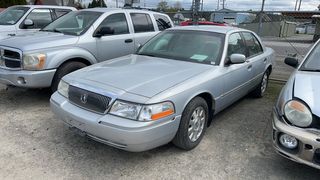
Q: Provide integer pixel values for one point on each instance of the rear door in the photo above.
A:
(143, 28)
(255, 56)
(121, 43)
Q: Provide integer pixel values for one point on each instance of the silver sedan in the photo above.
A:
(296, 116)
(168, 91)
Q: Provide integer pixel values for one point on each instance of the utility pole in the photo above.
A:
(295, 7)
(218, 5)
(223, 1)
(299, 5)
(195, 11)
(260, 19)
(62, 3)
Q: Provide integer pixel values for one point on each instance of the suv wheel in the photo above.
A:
(64, 70)
(193, 124)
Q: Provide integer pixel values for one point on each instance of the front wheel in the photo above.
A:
(64, 70)
(262, 87)
(193, 124)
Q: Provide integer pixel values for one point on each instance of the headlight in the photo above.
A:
(142, 112)
(298, 113)
(125, 109)
(34, 61)
(63, 88)
(156, 111)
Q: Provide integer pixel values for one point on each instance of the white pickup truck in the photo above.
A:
(29, 18)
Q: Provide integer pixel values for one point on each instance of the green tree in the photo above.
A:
(162, 6)
(8, 3)
(97, 3)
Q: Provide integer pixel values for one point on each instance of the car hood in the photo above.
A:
(5, 31)
(39, 40)
(141, 75)
(307, 88)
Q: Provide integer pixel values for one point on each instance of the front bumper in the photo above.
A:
(28, 79)
(308, 150)
(115, 131)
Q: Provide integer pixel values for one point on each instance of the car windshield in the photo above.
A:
(192, 46)
(12, 15)
(74, 23)
(313, 62)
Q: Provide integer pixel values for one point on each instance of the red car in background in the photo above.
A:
(189, 23)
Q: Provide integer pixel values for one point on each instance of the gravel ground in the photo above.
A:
(34, 144)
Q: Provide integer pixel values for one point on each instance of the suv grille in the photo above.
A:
(89, 100)
(10, 59)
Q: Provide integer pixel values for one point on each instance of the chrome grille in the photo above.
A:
(10, 58)
(89, 100)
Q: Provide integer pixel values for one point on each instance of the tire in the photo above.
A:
(261, 89)
(64, 70)
(184, 138)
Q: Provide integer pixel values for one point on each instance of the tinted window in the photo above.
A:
(141, 22)
(61, 12)
(117, 22)
(163, 22)
(313, 62)
(191, 46)
(40, 18)
(236, 45)
(252, 43)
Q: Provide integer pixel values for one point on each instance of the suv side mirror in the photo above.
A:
(237, 58)
(291, 61)
(103, 31)
(28, 22)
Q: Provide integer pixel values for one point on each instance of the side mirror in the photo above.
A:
(28, 22)
(291, 61)
(103, 31)
(237, 58)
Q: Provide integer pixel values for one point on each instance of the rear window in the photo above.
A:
(163, 22)
(141, 22)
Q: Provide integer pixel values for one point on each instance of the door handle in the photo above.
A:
(265, 60)
(249, 67)
(128, 41)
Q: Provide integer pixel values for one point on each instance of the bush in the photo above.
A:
(8, 3)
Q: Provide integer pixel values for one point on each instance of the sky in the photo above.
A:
(306, 5)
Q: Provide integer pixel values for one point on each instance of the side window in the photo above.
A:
(162, 21)
(253, 45)
(117, 22)
(236, 45)
(61, 12)
(141, 22)
(40, 18)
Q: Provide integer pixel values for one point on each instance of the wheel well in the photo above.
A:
(86, 62)
(211, 105)
(269, 69)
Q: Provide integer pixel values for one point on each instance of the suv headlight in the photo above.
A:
(298, 113)
(63, 88)
(34, 61)
(142, 112)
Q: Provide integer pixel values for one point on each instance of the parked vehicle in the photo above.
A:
(296, 116)
(76, 40)
(168, 91)
(29, 18)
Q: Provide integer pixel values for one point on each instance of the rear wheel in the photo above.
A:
(193, 124)
(262, 87)
(64, 70)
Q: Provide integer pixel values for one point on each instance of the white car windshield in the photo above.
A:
(12, 15)
(74, 23)
(313, 62)
(192, 46)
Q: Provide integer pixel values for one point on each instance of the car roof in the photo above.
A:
(210, 28)
(45, 6)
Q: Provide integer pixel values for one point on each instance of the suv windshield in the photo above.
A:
(312, 62)
(12, 15)
(74, 23)
(191, 46)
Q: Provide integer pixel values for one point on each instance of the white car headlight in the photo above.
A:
(298, 113)
(142, 112)
(34, 61)
(125, 109)
(156, 111)
(63, 88)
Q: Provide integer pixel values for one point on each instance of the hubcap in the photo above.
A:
(264, 83)
(196, 124)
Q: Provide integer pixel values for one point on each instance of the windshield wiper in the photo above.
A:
(146, 54)
(54, 30)
(311, 70)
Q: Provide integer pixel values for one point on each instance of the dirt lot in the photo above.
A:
(34, 144)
